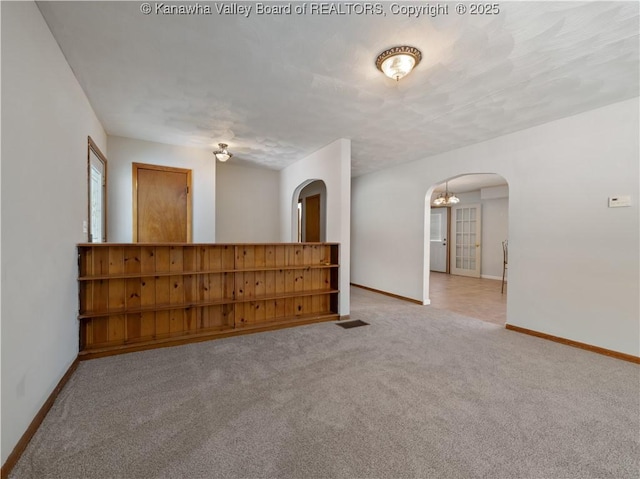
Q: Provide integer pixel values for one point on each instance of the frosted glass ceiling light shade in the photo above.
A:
(398, 62)
(222, 154)
(398, 66)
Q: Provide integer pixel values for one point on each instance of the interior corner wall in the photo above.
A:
(123, 152)
(573, 264)
(46, 119)
(247, 204)
(495, 229)
(331, 164)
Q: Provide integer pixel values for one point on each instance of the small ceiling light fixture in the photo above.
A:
(222, 154)
(397, 62)
(446, 199)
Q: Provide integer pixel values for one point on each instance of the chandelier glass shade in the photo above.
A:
(397, 62)
(222, 154)
(446, 198)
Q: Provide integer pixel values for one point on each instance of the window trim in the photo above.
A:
(92, 147)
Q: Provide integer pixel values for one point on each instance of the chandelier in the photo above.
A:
(446, 198)
(222, 154)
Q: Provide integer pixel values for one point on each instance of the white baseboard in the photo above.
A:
(426, 302)
(488, 276)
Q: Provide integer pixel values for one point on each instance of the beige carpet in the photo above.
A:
(420, 392)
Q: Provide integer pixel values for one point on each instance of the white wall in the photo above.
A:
(573, 264)
(247, 204)
(123, 152)
(46, 119)
(1, 453)
(494, 231)
(331, 164)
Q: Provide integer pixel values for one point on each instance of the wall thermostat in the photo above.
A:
(619, 201)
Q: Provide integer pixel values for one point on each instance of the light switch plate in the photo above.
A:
(619, 201)
(85, 226)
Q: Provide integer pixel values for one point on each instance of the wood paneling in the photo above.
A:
(138, 295)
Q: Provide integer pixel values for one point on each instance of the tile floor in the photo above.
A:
(477, 298)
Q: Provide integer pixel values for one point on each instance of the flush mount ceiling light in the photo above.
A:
(222, 154)
(397, 62)
(446, 199)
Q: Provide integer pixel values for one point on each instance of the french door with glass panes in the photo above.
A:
(466, 240)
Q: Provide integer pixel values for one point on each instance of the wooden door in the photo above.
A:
(161, 204)
(465, 240)
(312, 219)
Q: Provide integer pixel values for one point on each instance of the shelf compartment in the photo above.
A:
(143, 293)
(175, 340)
(102, 260)
(105, 260)
(200, 304)
(190, 273)
(114, 329)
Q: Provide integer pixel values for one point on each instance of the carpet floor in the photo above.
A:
(419, 392)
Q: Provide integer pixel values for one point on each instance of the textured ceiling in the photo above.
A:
(276, 88)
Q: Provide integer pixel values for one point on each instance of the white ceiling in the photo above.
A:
(473, 182)
(276, 88)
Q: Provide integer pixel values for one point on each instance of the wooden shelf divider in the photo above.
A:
(139, 296)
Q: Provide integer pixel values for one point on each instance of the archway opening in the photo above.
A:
(310, 212)
(465, 245)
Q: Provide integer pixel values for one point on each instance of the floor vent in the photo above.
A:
(352, 324)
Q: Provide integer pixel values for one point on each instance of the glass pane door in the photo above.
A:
(466, 240)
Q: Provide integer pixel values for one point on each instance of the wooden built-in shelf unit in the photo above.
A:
(141, 296)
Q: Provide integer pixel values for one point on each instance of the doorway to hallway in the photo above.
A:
(469, 247)
(311, 212)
